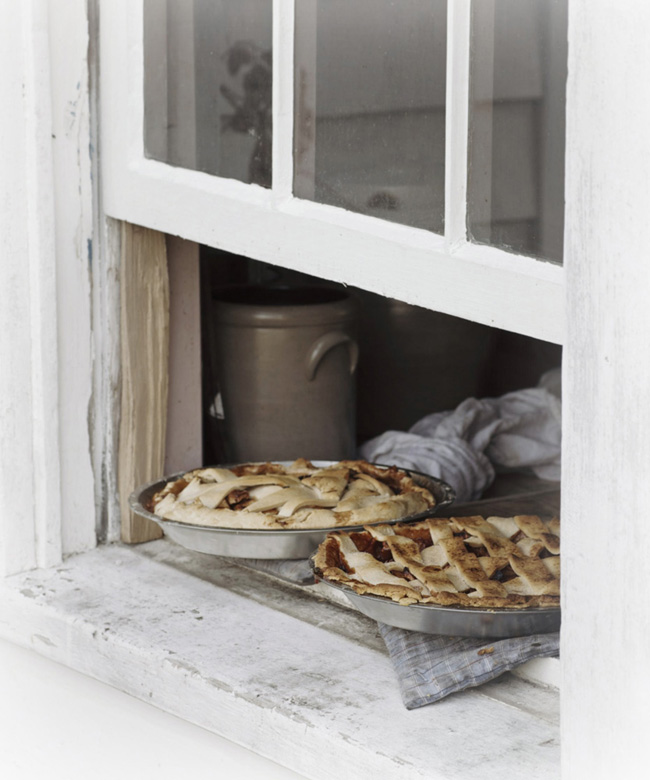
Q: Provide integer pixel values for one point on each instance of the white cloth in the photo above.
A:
(466, 446)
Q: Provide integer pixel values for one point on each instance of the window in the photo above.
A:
(376, 197)
(607, 422)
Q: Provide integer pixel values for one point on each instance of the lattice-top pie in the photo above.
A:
(496, 562)
(274, 496)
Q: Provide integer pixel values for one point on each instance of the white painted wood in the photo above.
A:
(544, 671)
(105, 419)
(283, 68)
(184, 445)
(105, 407)
(457, 110)
(43, 315)
(47, 228)
(606, 386)
(319, 702)
(88, 729)
(17, 529)
(72, 196)
(478, 283)
(247, 220)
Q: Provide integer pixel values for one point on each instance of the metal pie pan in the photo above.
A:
(454, 621)
(267, 544)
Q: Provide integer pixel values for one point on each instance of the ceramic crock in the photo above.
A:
(286, 359)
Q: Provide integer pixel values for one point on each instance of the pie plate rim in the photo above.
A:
(450, 620)
(237, 547)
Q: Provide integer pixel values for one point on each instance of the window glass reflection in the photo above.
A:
(370, 107)
(208, 86)
(517, 126)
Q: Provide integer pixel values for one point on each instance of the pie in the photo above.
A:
(493, 562)
(275, 496)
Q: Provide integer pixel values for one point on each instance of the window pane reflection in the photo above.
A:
(370, 107)
(517, 125)
(208, 86)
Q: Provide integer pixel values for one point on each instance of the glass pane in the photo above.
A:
(517, 121)
(207, 84)
(370, 107)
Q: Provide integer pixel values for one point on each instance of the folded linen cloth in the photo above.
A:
(428, 667)
(466, 446)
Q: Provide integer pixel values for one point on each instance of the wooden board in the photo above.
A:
(145, 355)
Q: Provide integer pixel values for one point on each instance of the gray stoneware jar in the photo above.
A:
(286, 360)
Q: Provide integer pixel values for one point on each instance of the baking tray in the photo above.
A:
(268, 544)
(453, 621)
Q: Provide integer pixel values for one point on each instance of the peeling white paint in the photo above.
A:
(281, 685)
(45, 329)
(30, 523)
(67, 21)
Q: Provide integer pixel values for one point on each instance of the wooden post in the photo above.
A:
(145, 355)
(605, 390)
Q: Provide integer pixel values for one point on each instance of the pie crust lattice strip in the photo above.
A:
(494, 562)
(297, 496)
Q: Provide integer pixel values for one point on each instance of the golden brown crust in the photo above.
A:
(476, 563)
(275, 496)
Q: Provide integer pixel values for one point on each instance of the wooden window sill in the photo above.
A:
(302, 681)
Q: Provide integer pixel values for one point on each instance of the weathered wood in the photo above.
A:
(45, 328)
(271, 669)
(145, 354)
(28, 316)
(606, 386)
(73, 713)
(69, 135)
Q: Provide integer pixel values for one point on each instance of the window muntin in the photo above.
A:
(370, 131)
(446, 273)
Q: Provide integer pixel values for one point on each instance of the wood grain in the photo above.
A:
(145, 357)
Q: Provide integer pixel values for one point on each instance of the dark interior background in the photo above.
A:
(412, 361)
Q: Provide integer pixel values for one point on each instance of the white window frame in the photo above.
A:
(445, 273)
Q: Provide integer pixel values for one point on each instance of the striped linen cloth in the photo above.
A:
(429, 667)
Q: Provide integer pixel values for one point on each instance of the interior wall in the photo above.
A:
(184, 418)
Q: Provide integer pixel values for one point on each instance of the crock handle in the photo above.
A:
(322, 346)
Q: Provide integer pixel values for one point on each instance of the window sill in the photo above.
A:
(73, 715)
(301, 681)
